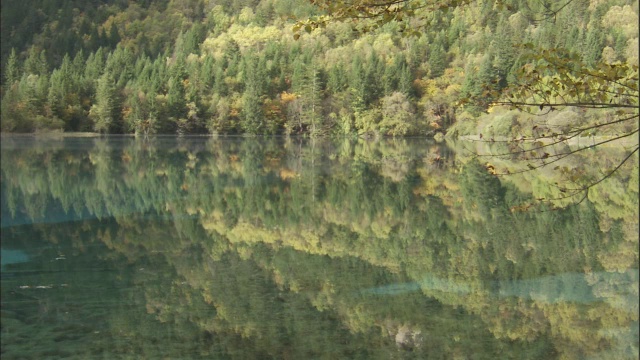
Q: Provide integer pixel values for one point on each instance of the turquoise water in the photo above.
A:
(189, 248)
(13, 257)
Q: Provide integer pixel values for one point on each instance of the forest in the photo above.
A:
(246, 67)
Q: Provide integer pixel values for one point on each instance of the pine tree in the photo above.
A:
(120, 64)
(437, 60)
(191, 40)
(502, 48)
(12, 72)
(208, 72)
(336, 80)
(358, 85)
(405, 84)
(28, 94)
(310, 91)
(176, 98)
(95, 65)
(105, 110)
(36, 62)
(43, 64)
(390, 79)
(232, 58)
(78, 65)
(56, 94)
(373, 73)
(252, 112)
(595, 42)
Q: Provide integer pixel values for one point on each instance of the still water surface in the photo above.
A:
(189, 248)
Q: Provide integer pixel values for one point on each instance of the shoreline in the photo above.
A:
(587, 141)
(55, 134)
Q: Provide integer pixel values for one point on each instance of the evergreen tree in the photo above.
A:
(136, 119)
(252, 112)
(405, 84)
(12, 71)
(219, 85)
(358, 85)
(336, 79)
(105, 112)
(36, 62)
(310, 98)
(176, 102)
(208, 72)
(95, 65)
(78, 66)
(595, 42)
(373, 73)
(120, 64)
(390, 79)
(437, 60)
(28, 94)
(232, 59)
(56, 94)
(191, 40)
(502, 48)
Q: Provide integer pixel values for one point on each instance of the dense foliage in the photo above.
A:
(234, 67)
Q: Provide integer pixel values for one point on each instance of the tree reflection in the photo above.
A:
(293, 248)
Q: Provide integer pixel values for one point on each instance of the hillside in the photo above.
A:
(234, 67)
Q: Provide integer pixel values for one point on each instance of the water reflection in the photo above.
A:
(8, 257)
(567, 287)
(287, 248)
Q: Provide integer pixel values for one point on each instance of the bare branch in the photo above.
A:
(564, 155)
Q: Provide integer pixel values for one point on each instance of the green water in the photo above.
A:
(189, 248)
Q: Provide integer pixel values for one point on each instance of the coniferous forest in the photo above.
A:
(239, 66)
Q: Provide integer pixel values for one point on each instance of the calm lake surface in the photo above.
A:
(188, 248)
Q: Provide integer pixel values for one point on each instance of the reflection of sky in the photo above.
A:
(23, 219)
(579, 288)
(12, 257)
(429, 282)
(620, 290)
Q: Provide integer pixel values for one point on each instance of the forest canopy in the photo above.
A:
(287, 67)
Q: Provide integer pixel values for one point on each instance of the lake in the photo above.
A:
(287, 248)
